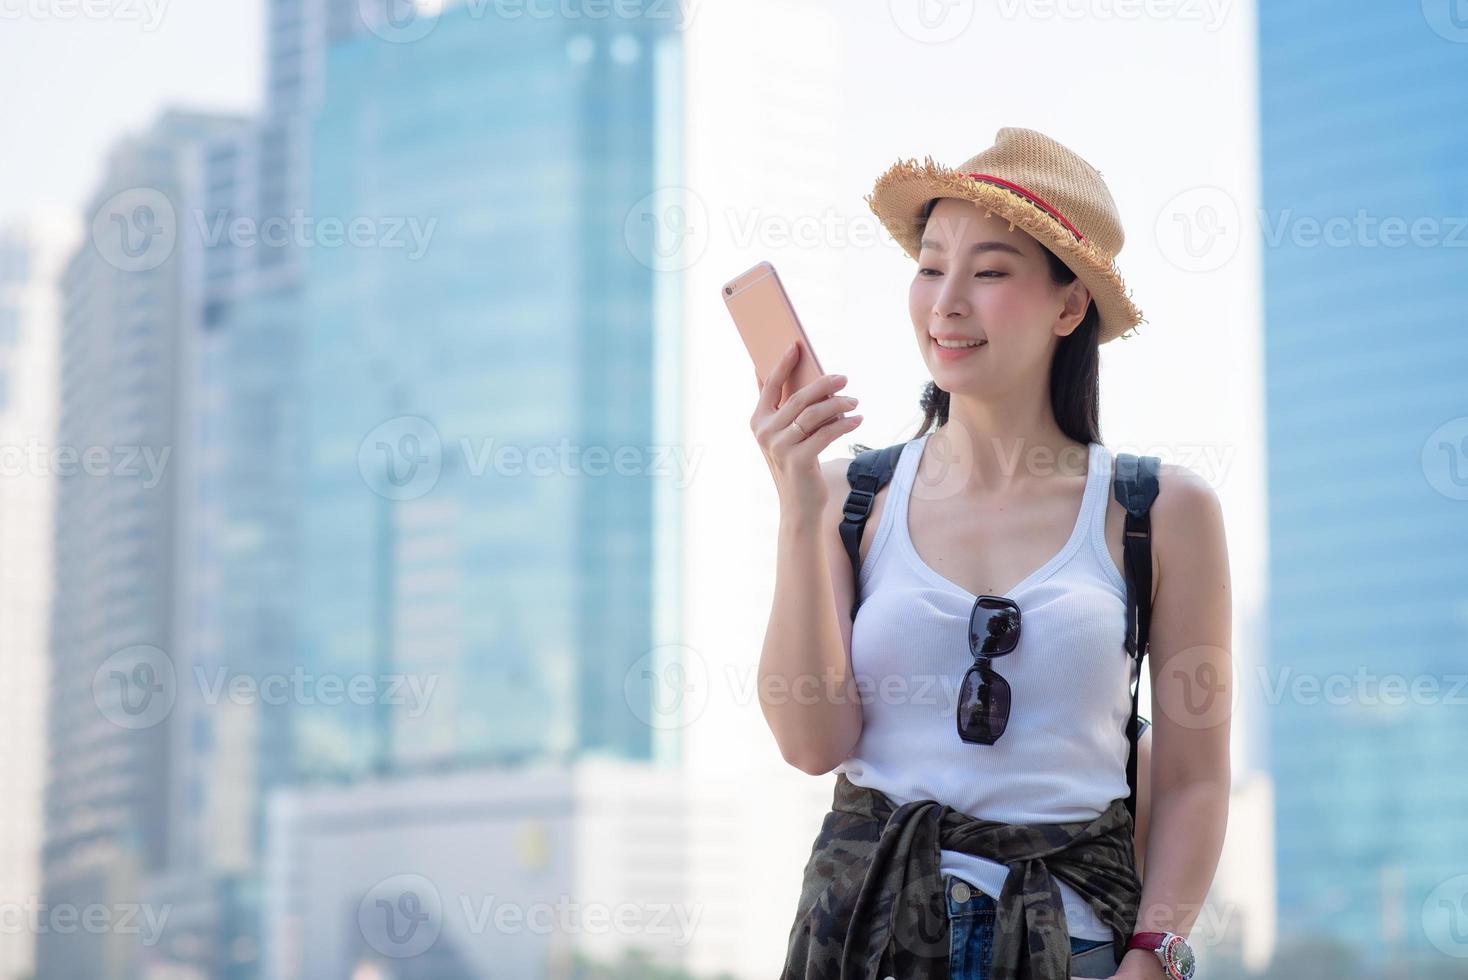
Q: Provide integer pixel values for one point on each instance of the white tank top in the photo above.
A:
(1063, 755)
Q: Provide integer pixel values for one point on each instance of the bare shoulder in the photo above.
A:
(1187, 517)
(1184, 499)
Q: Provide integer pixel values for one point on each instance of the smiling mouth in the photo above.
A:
(958, 345)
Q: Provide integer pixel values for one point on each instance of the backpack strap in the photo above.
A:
(867, 473)
(1135, 487)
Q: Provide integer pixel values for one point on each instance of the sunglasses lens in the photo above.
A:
(993, 626)
(983, 705)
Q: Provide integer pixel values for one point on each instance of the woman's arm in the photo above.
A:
(1192, 695)
(807, 691)
(1144, 798)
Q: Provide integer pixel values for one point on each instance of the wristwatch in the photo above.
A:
(1173, 950)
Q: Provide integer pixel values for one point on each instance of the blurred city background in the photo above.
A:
(384, 554)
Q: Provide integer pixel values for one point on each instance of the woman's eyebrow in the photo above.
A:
(978, 249)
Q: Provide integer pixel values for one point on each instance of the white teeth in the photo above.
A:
(959, 344)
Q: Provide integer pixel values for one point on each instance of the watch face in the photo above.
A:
(1179, 958)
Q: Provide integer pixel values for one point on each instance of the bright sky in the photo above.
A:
(77, 82)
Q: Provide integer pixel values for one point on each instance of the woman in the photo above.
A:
(998, 514)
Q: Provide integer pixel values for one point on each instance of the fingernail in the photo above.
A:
(791, 349)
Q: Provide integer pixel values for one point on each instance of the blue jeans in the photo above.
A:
(971, 921)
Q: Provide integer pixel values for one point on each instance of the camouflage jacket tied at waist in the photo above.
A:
(872, 904)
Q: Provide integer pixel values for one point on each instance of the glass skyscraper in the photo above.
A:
(496, 301)
(1365, 193)
(129, 304)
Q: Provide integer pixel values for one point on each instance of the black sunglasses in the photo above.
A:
(984, 698)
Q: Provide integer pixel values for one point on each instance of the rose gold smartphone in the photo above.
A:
(766, 320)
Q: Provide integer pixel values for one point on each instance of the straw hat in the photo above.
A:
(1038, 185)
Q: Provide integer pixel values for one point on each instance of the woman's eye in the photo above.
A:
(995, 273)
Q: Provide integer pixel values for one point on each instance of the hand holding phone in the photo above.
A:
(792, 433)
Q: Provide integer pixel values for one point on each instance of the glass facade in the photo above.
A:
(462, 362)
(1364, 196)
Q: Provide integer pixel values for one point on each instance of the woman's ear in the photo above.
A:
(1077, 302)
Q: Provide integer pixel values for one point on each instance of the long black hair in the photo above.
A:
(1075, 371)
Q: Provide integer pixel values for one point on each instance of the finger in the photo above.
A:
(803, 398)
(828, 433)
(776, 381)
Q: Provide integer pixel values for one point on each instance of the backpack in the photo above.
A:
(1134, 486)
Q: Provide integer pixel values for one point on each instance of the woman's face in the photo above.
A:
(978, 280)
